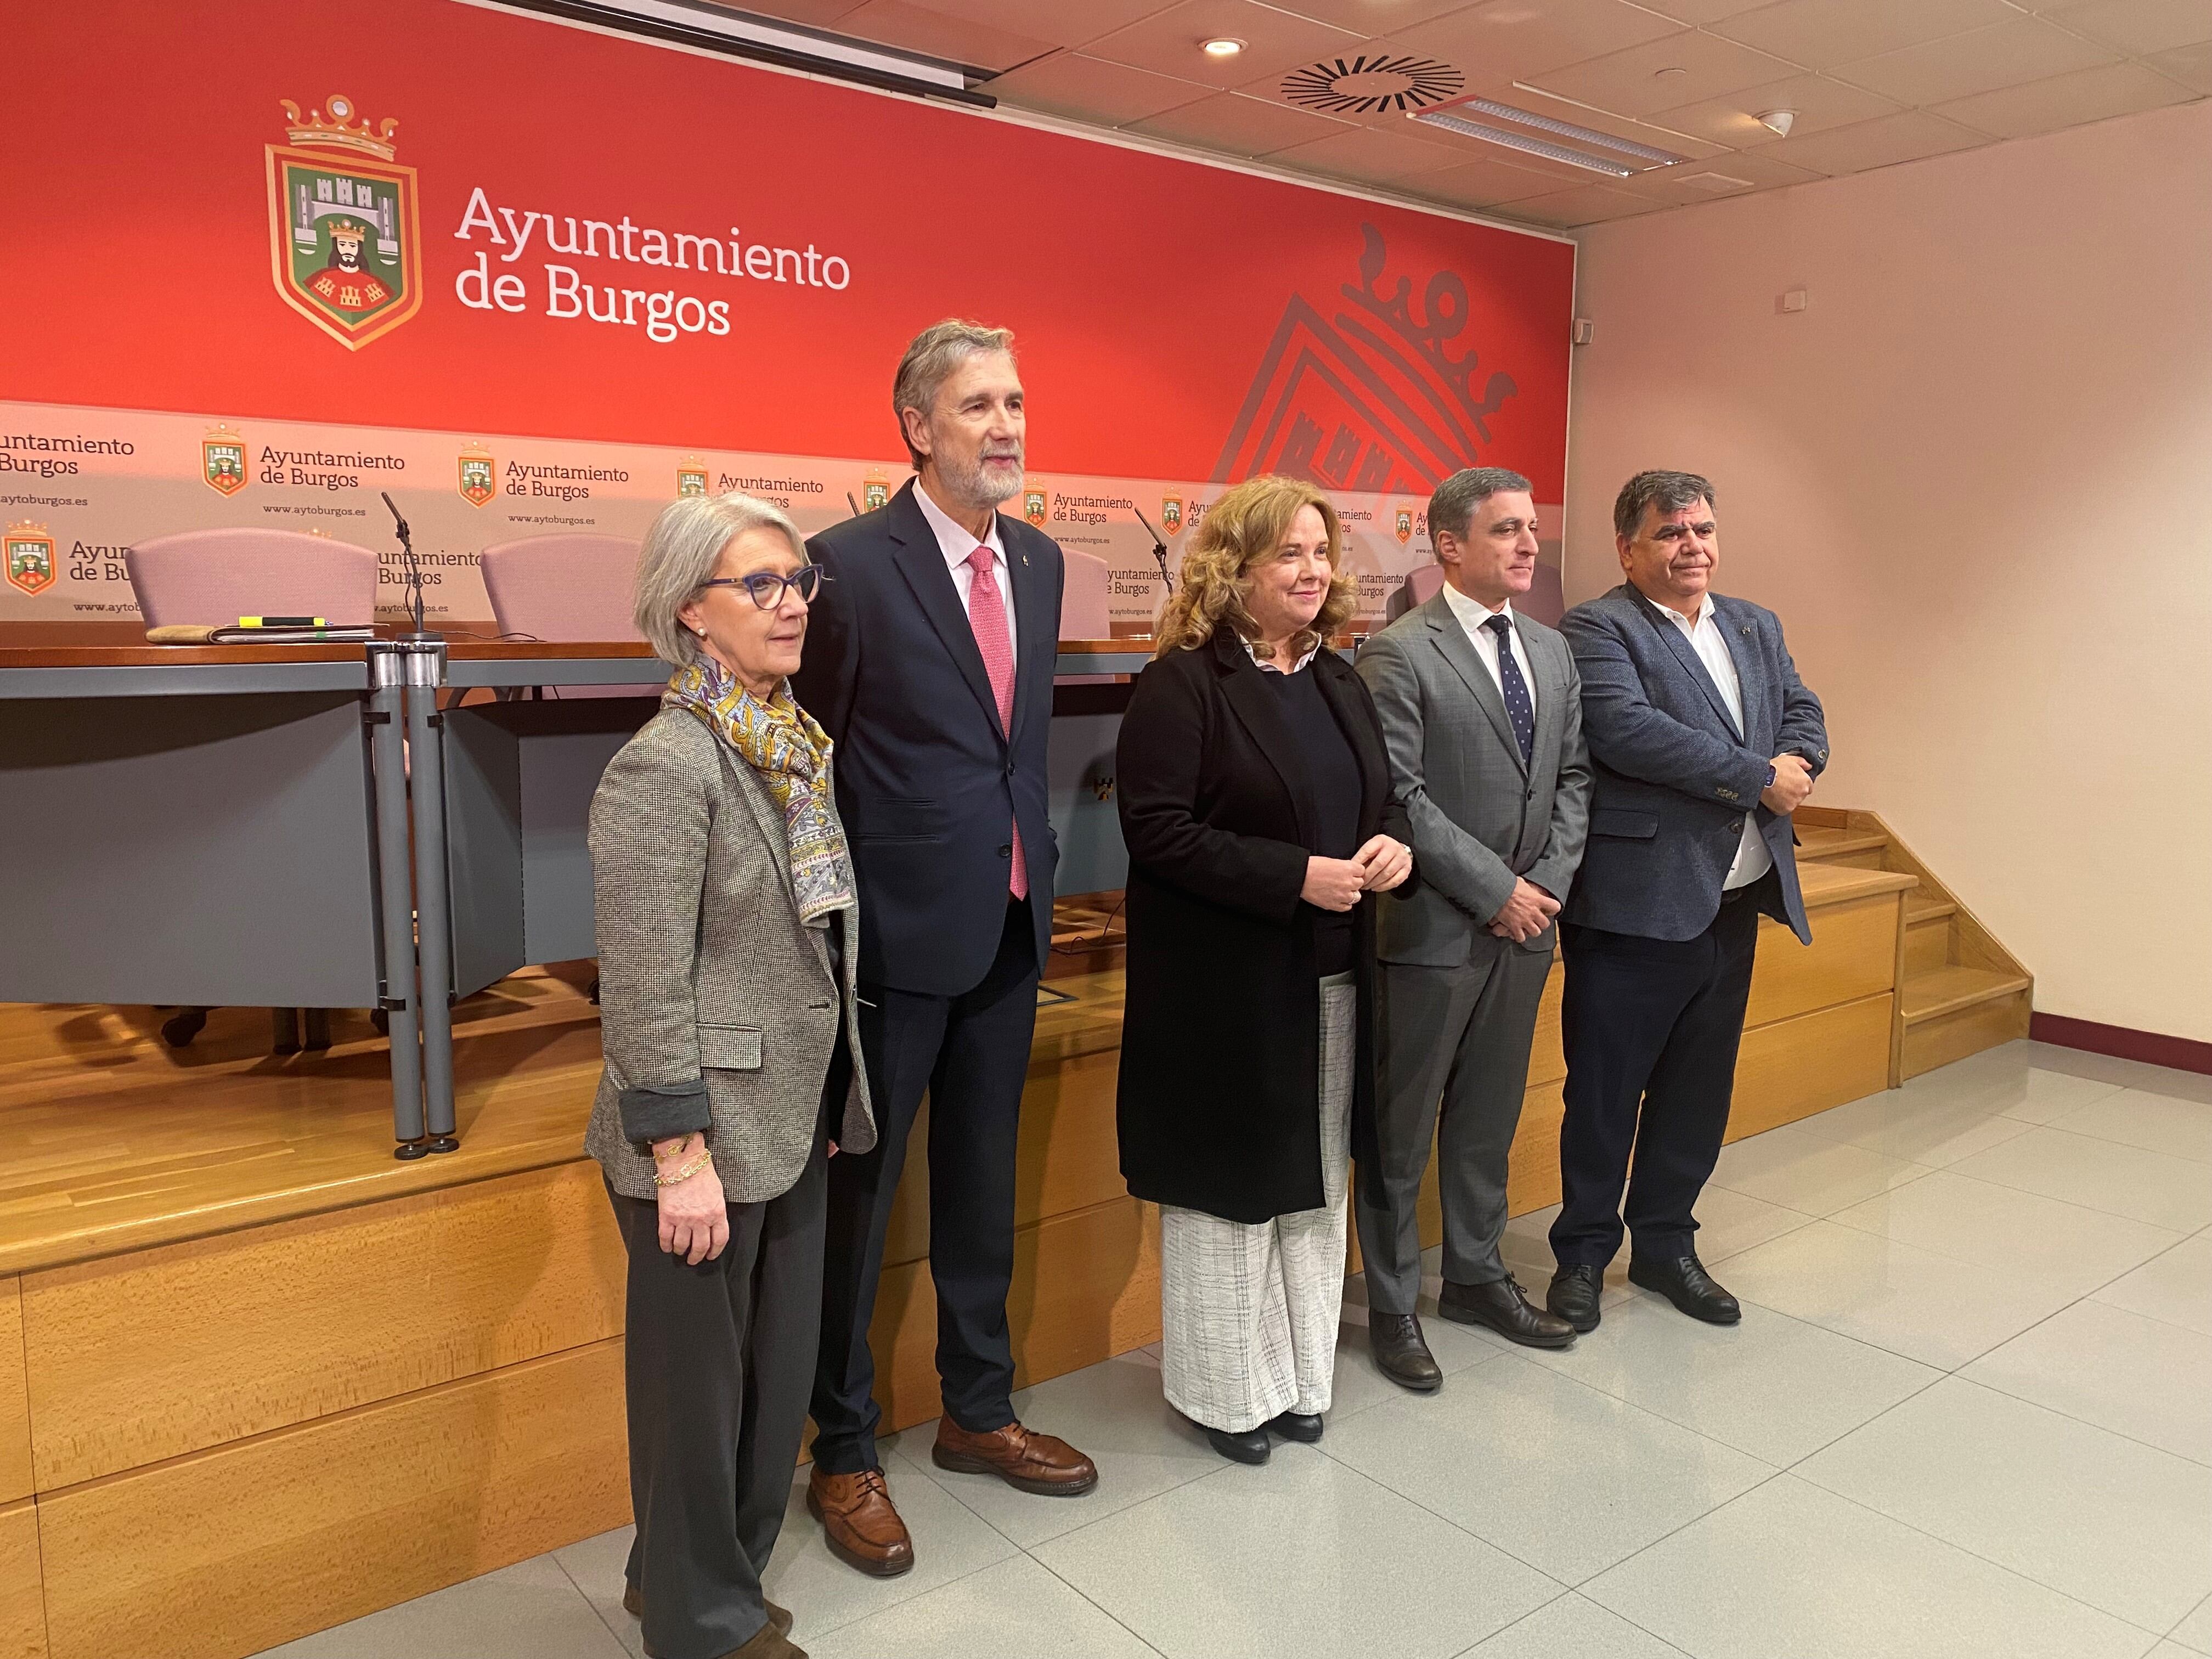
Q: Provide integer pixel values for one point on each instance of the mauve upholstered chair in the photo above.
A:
(567, 588)
(210, 578)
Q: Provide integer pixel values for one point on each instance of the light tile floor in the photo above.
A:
(1968, 1412)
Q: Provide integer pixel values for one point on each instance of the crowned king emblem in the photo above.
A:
(222, 460)
(344, 243)
(30, 557)
(1404, 527)
(1033, 506)
(1170, 515)
(875, 493)
(691, 476)
(479, 476)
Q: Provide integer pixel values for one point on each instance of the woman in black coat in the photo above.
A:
(1254, 800)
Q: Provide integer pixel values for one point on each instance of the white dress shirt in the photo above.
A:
(957, 544)
(1753, 861)
(1473, 615)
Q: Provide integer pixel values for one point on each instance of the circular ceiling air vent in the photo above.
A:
(1360, 86)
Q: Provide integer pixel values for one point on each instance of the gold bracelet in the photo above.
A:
(682, 1143)
(685, 1173)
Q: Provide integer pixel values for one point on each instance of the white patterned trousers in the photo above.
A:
(1250, 1311)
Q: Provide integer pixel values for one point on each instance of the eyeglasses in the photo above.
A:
(767, 586)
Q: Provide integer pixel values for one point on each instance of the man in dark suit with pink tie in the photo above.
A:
(929, 661)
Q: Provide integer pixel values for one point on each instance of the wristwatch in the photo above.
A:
(1770, 774)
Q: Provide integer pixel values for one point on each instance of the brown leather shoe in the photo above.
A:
(861, 1527)
(1040, 1463)
(768, 1643)
(633, 1605)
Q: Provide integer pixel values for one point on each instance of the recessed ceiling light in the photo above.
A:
(1221, 45)
(1668, 73)
(1779, 121)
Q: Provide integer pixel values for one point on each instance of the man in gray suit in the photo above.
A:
(1481, 709)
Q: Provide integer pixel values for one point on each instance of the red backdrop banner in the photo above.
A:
(751, 252)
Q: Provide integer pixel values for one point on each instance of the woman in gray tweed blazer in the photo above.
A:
(727, 936)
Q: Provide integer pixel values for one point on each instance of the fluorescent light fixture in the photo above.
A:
(1523, 142)
(1561, 143)
(1221, 45)
(693, 22)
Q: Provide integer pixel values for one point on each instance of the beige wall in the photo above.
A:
(1975, 479)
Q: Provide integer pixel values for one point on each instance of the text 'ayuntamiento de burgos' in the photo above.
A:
(664, 314)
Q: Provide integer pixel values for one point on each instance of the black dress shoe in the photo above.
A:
(1574, 1295)
(1250, 1447)
(1302, 1426)
(1402, 1354)
(1685, 1282)
(1502, 1306)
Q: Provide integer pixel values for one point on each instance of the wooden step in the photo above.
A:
(1928, 935)
(1953, 1011)
(1861, 849)
(1948, 990)
(1921, 910)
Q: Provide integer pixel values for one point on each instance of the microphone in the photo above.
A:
(850, 502)
(414, 567)
(1159, 550)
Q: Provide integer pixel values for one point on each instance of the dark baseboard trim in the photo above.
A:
(2181, 1053)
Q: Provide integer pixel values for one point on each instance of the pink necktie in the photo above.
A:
(986, 615)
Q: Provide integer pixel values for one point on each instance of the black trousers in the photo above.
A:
(1652, 1025)
(971, 1053)
(716, 1373)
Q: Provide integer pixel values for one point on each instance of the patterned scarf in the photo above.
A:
(790, 753)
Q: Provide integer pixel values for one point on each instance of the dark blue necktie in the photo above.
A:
(1519, 708)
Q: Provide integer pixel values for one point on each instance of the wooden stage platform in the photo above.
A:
(258, 1377)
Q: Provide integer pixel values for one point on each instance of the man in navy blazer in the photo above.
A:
(929, 660)
(1703, 741)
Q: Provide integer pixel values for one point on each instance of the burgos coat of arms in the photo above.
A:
(1033, 507)
(222, 460)
(479, 476)
(1170, 515)
(344, 243)
(30, 557)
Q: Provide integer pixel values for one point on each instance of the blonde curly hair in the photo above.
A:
(1245, 527)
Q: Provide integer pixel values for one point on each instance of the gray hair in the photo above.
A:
(1451, 508)
(929, 362)
(1670, 492)
(679, 556)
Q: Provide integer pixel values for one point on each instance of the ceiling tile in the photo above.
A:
(2066, 100)
(2141, 27)
(1585, 204)
(2191, 65)
(1701, 11)
(1512, 39)
(1062, 25)
(814, 14)
(1820, 33)
(1479, 184)
(1981, 60)
(1365, 152)
(1645, 78)
(1231, 122)
(1373, 17)
(1906, 136)
(916, 28)
(1167, 42)
(1819, 103)
(1678, 186)
(1087, 90)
